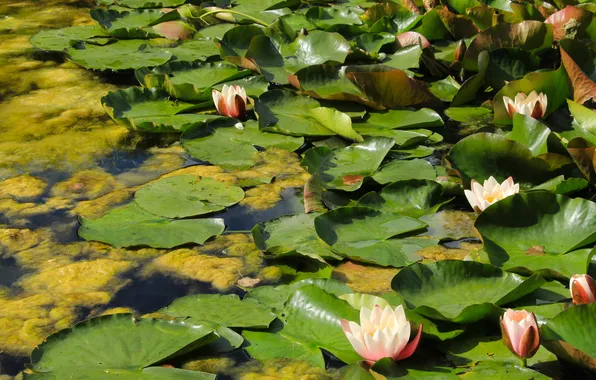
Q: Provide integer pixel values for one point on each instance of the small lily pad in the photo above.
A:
(187, 195)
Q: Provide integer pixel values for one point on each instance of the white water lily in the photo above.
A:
(382, 333)
(482, 196)
(532, 105)
(231, 101)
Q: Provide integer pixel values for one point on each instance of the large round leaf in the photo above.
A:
(537, 223)
(482, 155)
(119, 55)
(365, 234)
(130, 225)
(412, 198)
(60, 39)
(224, 310)
(571, 335)
(460, 291)
(292, 234)
(119, 346)
(190, 81)
(221, 142)
(187, 195)
(150, 110)
(345, 169)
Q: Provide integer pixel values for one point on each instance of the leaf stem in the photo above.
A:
(524, 362)
(235, 12)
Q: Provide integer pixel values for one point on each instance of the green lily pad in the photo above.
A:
(135, 345)
(131, 23)
(336, 121)
(408, 369)
(482, 155)
(403, 139)
(119, 55)
(570, 335)
(190, 81)
(530, 132)
(224, 310)
(187, 195)
(460, 291)
(60, 39)
(365, 234)
(194, 50)
(466, 351)
(345, 169)
(150, 110)
(538, 223)
(143, 3)
(221, 142)
(311, 316)
(553, 83)
(501, 371)
(276, 296)
(290, 114)
(292, 234)
(410, 197)
(470, 115)
(401, 170)
(405, 119)
(325, 17)
(129, 226)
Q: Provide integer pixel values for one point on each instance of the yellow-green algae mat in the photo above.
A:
(159, 280)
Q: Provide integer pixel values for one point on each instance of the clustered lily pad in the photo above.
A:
(400, 111)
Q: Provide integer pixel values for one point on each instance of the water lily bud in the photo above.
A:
(482, 196)
(231, 101)
(520, 333)
(303, 32)
(532, 105)
(221, 15)
(583, 289)
(382, 333)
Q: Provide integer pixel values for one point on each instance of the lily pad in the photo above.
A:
(345, 169)
(143, 3)
(482, 155)
(312, 317)
(135, 345)
(118, 55)
(223, 310)
(570, 335)
(460, 291)
(410, 197)
(194, 50)
(187, 195)
(129, 226)
(221, 142)
(131, 23)
(401, 170)
(150, 110)
(538, 223)
(365, 234)
(60, 39)
(190, 81)
(292, 234)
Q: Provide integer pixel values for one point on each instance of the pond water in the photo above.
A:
(62, 159)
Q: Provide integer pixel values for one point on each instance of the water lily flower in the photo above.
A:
(532, 105)
(520, 333)
(382, 333)
(480, 197)
(583, 289)
(231, 101)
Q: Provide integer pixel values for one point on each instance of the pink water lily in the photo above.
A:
(231, 101)
(482, 196)
(533, 105)
(520, 333)
(382, 333)
(583, 289)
